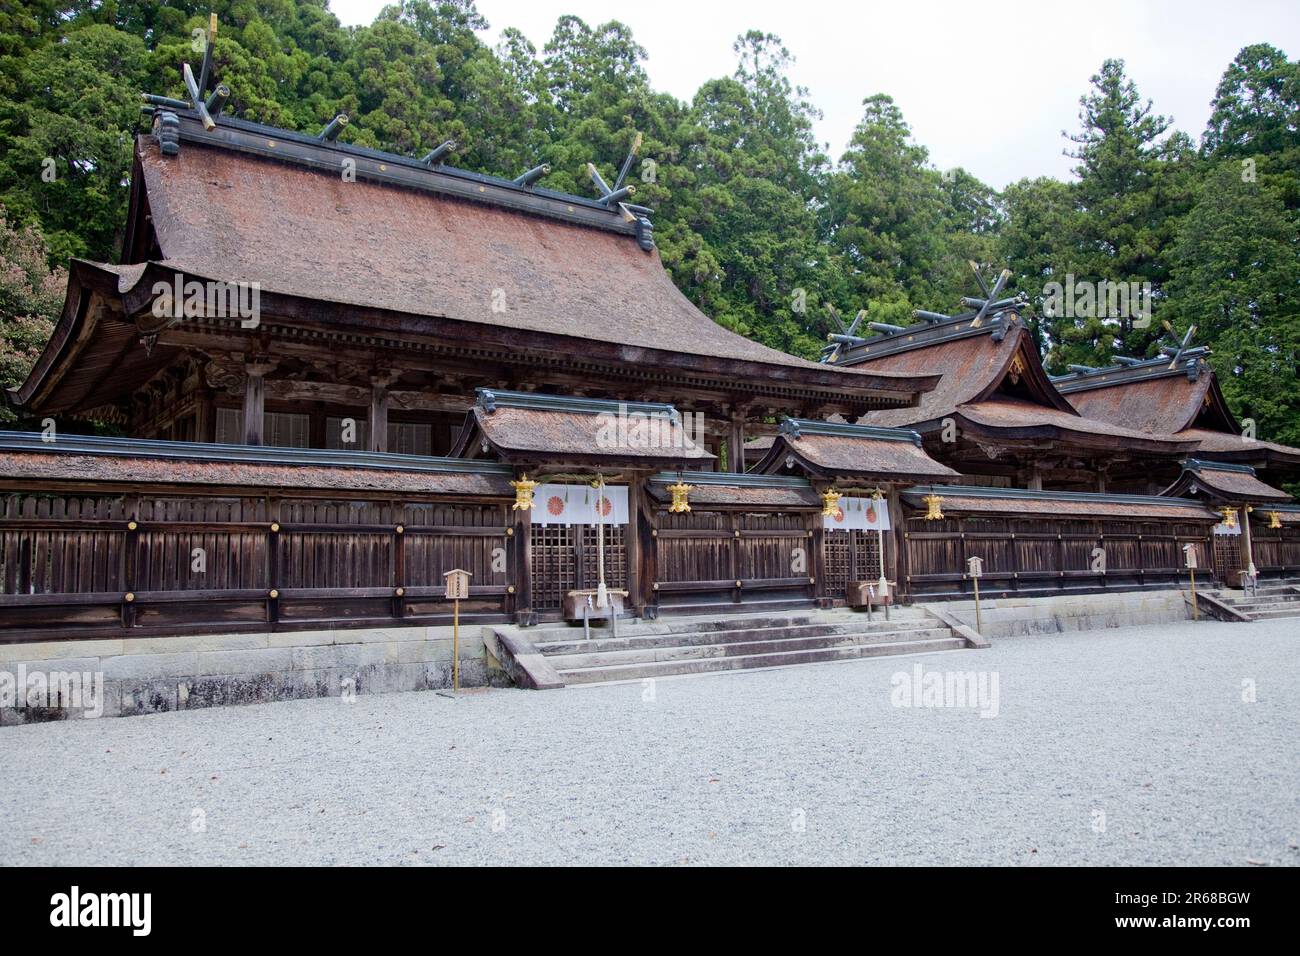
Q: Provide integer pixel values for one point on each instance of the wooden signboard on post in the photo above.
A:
(975, 570)
(1189, 555)
(457, 591)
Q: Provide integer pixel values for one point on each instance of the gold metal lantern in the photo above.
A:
(830, 503)
(524, 489)
(679, 491)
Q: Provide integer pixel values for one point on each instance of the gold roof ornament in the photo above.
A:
(524, 489)
(933, 506)
(680, 491)
(1017, 369)
(1274, 519)
(1229, 517)
(830, 503)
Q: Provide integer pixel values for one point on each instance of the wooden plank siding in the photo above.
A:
(79, 561)
(77, 564)
(1044, 555)
(1276, 550)
(729, 558)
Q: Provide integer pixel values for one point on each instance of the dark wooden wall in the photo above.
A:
(1276, 550)
(1045, 555)
(88, 561)
(80, 563)
(725, 558)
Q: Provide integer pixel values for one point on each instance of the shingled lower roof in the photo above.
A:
(24, 457)
(1230, 446)
(1017, 418)
(536, 429)
(1223, 482)
(1058, 504)
(721, 490)
(831, 450)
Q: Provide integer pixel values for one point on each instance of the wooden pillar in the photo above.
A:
(205, 416)
(254, 403)
(1035, 482)
(817, 559)
(318, 437)
(273, 561)
(523, 564)
(647, 529)
(378, 414)
(130, 558)
(900, 565)
(632, 546)
(736, 446)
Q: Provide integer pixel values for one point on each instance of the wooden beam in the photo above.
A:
(379, 415)
(523, 566)
(254, 406)
(736, 446)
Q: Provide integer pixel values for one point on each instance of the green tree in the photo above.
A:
(1037, 238)
(1256, 107)
(31, 296)
(751, 172)
(885, 215)
(65, 142)
(1134, 184)
(1237, 278)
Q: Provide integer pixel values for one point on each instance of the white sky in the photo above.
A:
(957, 69)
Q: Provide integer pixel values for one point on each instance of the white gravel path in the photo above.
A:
(1144, 725)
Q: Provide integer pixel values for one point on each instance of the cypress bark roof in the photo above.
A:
(829, 450)
(1058, 504)
(73, 458)
(993, 380)
(538, 429)
(1224, 482)
(1184, 401)
(224, 214)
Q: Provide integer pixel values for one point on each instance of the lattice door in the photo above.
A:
(564, 558)
(1227, 558)
(850, 556)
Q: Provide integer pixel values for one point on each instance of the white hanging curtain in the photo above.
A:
(560, 504)
(859, 514)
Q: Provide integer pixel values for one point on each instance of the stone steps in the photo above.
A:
(1271, 600)
(701, 665)
(738, 647)
(694, 645)
(571, 644)
(1269, 613)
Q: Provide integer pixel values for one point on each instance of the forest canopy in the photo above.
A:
(758, 226)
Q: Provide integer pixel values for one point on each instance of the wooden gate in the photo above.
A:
(724, 559)
(1227, 559)
(564, 559)
(850, 556)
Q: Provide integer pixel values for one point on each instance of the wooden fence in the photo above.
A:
(719, 559)
(86, 561)
(1042, 555)
(163, 562)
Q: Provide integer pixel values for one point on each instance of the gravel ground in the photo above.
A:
(1146, 726)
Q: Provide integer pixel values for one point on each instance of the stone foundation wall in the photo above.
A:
(1009, 617)
(157, 674)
